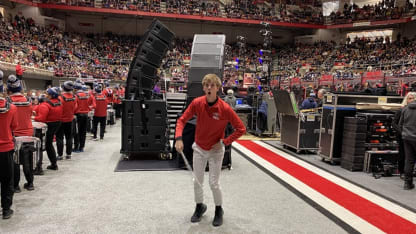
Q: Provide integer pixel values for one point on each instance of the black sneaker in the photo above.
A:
(52, 167)
(38, 171)
(199, 211)
(219, 212)
(68, 157)
(408, 186)
(59, 158)
(7, 214)
(17, 189)
(29, 186)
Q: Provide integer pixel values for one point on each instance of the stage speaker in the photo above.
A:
(197, 74)
(194, 89)
(207, 56)
(155, 112)
(161, 31)
(144, 67)
(143, 138)
(149, 55)
(208, 51)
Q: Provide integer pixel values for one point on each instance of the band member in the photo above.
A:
(69, 105)
(84, 105)
(100, 113)
(108, 92)
(50, 112)
(8, 124)
(25, 128)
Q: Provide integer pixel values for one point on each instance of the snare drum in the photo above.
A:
(20, 141)
(110, 116)
(39, 131)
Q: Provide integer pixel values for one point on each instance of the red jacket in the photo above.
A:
(69, 103)
(100, 105)
(122, 93)
(211, 122)
(117, 98)
(19, 70)
(8, 123)
(108, 92)
(24, 114)
(84, 103)
(49, 111)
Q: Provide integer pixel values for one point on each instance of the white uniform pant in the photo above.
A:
(200, 158)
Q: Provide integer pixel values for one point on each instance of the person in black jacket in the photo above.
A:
(407, 125)
(395, 124)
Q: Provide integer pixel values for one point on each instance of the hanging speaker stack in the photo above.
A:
(207, 57)
(144, 120)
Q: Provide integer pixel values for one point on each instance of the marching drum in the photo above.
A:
(39, 131)
(110, 116)
(21, 141)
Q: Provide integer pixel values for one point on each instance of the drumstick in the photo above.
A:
(189, 168)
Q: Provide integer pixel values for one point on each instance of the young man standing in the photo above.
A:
(213, 115)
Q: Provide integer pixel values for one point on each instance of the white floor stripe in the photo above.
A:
(390, 206)
(345, 215)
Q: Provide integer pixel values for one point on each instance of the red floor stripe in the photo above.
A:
(367, 210)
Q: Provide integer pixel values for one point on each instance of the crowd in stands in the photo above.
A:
(65, 54)
(347, 61)
(384, 10)
(284, 11)
(305, 12)
(108, 56)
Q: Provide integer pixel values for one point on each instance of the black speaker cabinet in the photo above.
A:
(161, 31)
(149, 55)
(194, 89)
(141, 80)
(144, 67)
(155, 112)
(143, 139)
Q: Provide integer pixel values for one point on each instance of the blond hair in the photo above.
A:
(211, 78)
(404, 103)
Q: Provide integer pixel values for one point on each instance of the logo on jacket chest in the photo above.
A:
(216, 116)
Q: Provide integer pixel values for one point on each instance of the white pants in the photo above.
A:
(214, 158)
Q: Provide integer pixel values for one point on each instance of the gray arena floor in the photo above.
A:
(86, 196)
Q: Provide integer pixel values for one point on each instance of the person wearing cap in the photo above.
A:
(84, 104)
(108, 92)
(230, 99)
(8, 124)
(310, 102)
(25, 128)
(69, 105)
(100, 113)
(50, 112)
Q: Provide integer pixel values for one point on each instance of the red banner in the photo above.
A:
(295, 80)
(326, 78)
